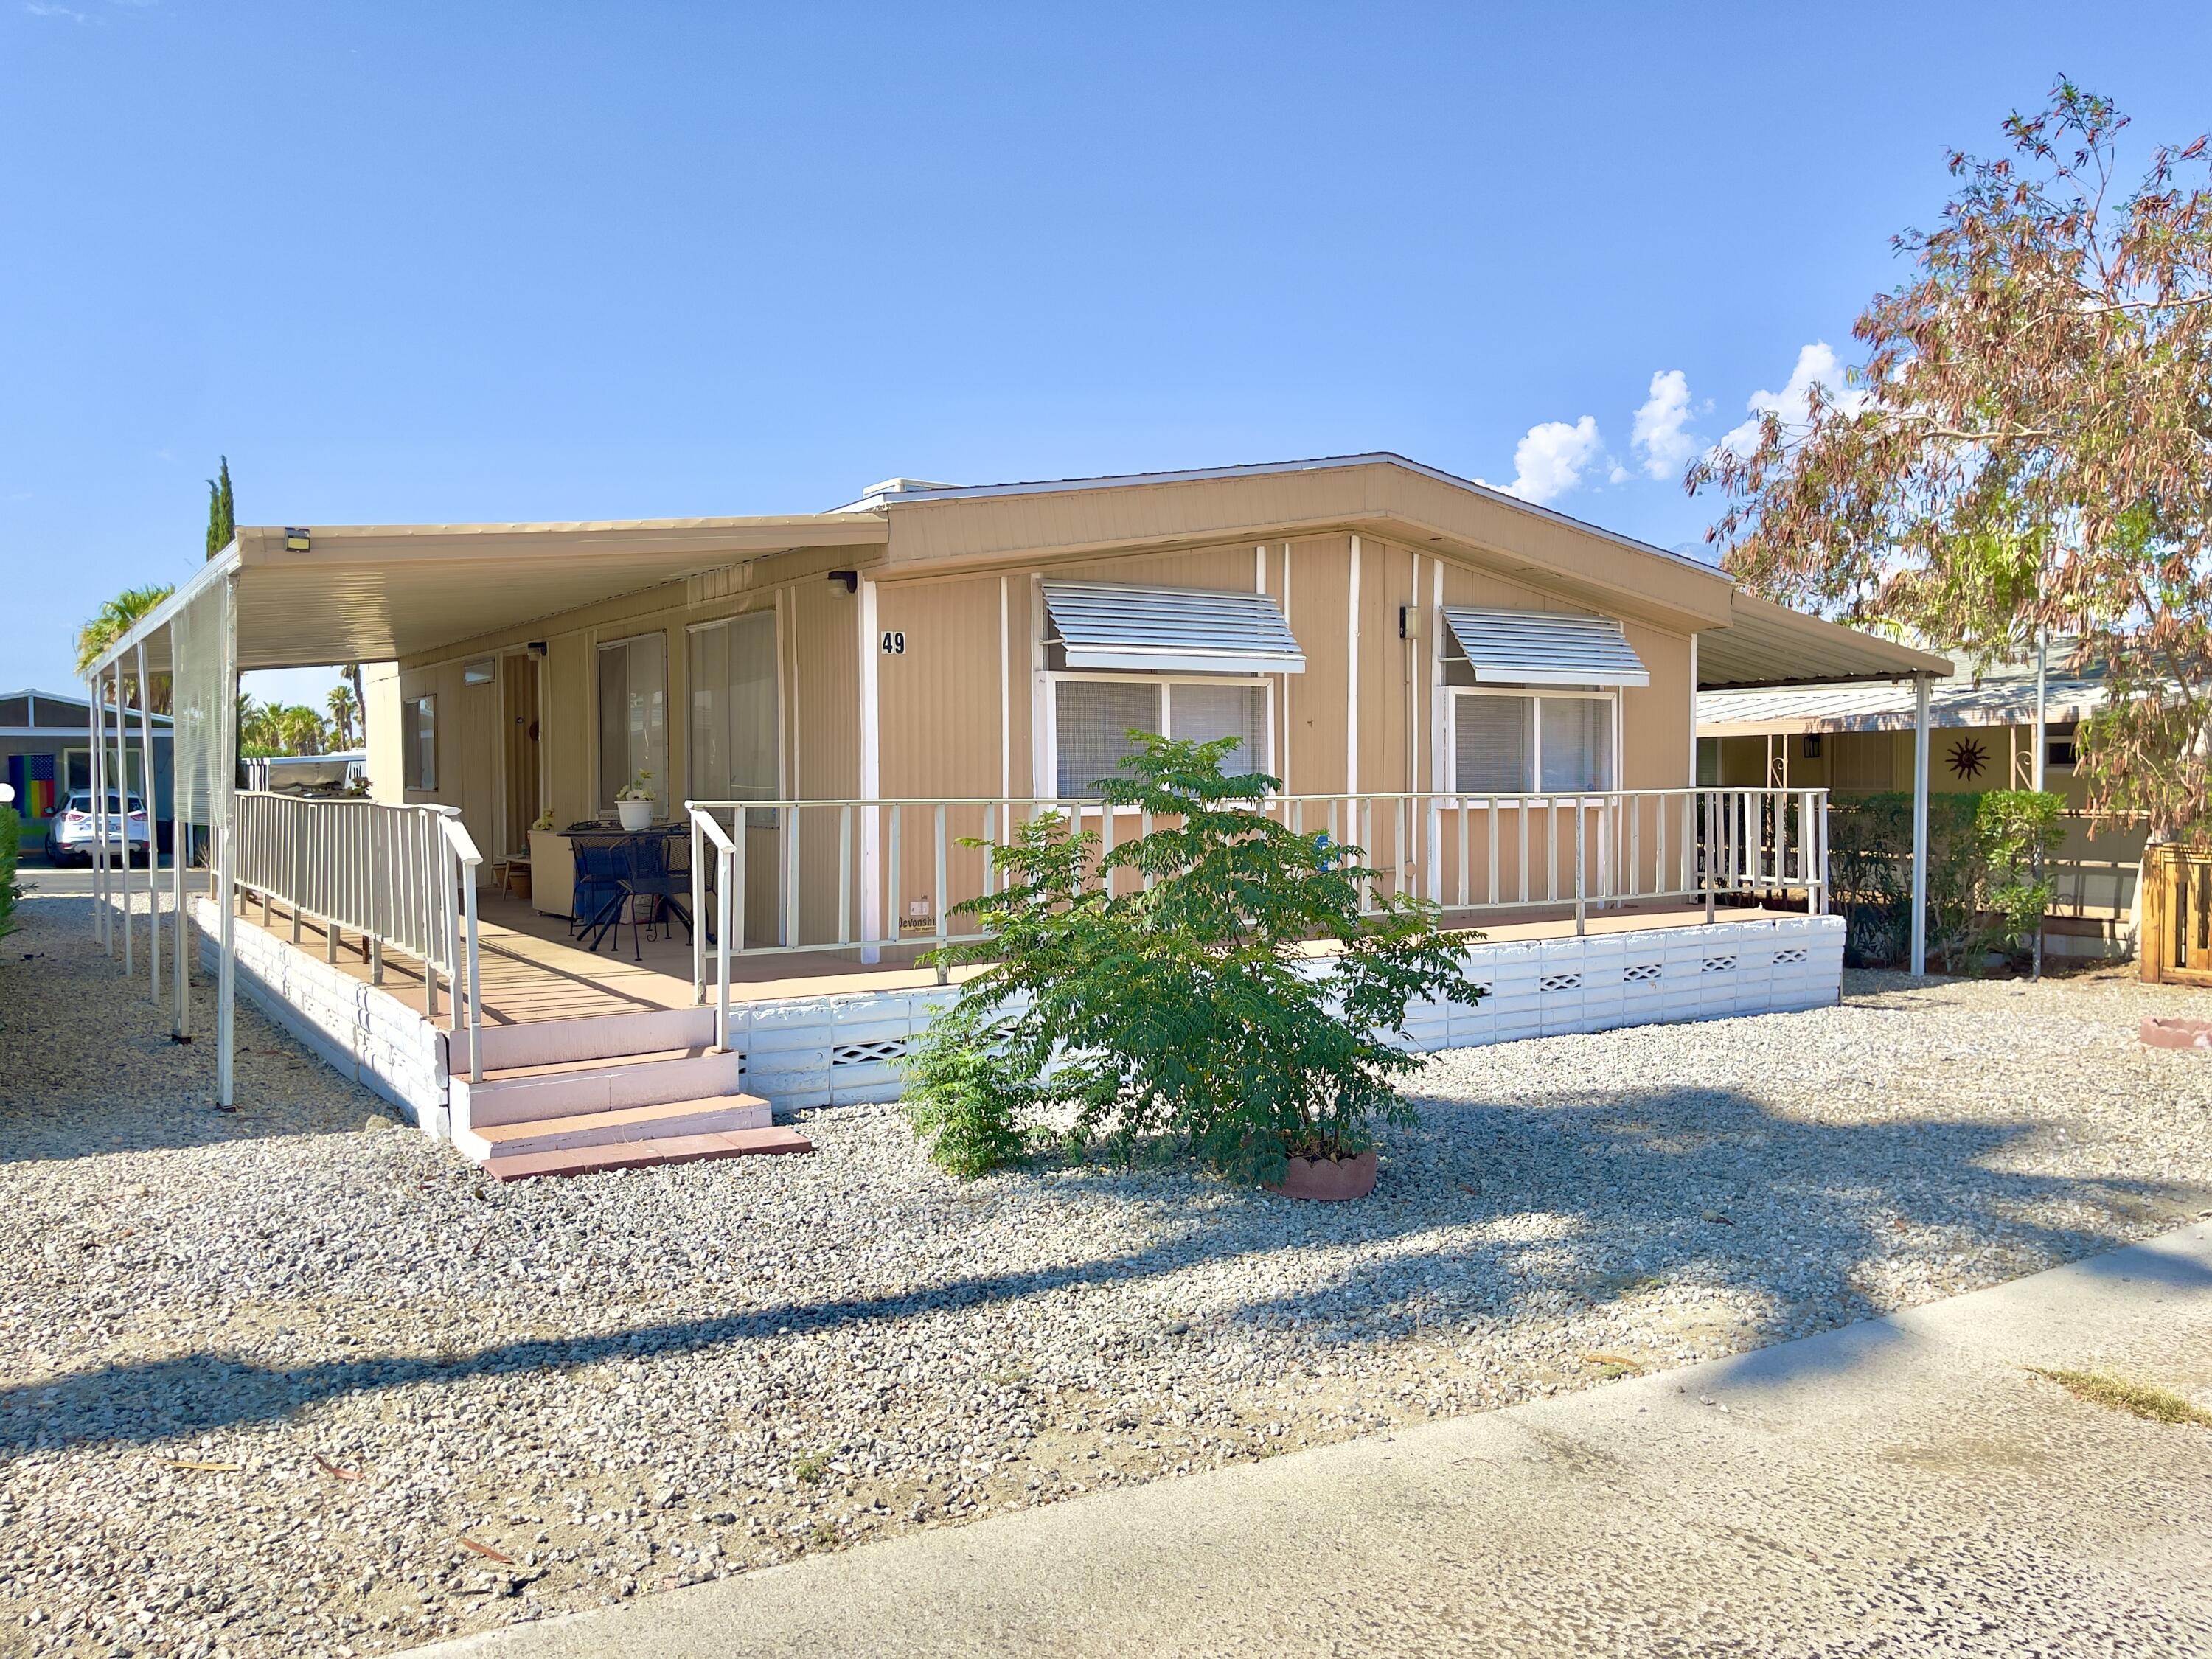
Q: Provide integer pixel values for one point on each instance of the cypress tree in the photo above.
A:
(222, 520)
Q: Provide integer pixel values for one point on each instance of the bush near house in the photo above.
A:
(11, 836)
(1983, 894)
(1185, 1005)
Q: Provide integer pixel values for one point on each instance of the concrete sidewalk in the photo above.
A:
(1899, 1486)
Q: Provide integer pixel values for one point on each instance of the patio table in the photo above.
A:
(615, 867)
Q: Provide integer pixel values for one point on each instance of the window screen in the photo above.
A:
(633, 718)
(734, 717)
(420, 739)
(1577, 743)
(1091, 720)
(1494, 744)
(1200, 713)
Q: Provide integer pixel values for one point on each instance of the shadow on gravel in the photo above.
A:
(88, 1067)
(1636, 1189)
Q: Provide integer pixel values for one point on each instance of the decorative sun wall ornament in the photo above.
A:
(1968, 757)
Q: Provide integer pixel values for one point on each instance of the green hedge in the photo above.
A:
(11, 835)
(1982, 891)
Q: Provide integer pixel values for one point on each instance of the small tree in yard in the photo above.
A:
(1188, 1004)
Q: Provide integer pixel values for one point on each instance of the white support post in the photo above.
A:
(153, 837)
(698, 903)
(871, 783)
(2035, 769)
(226, 768)
(123, 800)
(1919, 824)
(96, 767)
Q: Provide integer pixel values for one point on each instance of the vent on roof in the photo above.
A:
(1544, 647)
(876, 493)
(1171, 629)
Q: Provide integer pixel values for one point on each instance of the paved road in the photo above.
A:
(1900, 1486)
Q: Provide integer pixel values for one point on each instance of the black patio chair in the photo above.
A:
(648, 877)
(600, 887)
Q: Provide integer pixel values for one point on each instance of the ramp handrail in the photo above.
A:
(384, 871)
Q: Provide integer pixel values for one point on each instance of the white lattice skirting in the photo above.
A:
(842, 1049)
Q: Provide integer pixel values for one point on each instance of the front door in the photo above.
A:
(520, 704)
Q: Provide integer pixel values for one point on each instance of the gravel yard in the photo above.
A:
(272, 1383)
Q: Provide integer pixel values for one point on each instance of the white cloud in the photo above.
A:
(1549, 461)
(45, 8)
(1816, 365)
(1662, 437)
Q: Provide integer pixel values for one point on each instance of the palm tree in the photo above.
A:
(115, 618)
(343, 710)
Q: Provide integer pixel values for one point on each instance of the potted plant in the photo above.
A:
(1184, 1001)
(633, 803)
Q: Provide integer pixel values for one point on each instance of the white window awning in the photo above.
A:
(1545, 647)
(1171, 629)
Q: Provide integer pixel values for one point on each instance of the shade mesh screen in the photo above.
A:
(1091, 721)
(1578, 742)
(733, 710)
(203, 649)
(1492, 744)
(1200, 713)
(634, 719)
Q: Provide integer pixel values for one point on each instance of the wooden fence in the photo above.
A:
(2177, 916)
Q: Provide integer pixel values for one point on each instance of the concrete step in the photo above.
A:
(715, 1114)
(644, 1154)
(594, 1085)
(554, 1042)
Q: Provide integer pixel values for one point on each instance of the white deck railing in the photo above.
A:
(402, 878)
(877, 875)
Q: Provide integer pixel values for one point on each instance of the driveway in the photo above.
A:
(1900, 1485)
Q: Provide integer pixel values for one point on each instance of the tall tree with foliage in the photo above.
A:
(2027, 445)
(115, 618)
(222, 511)
(345, 714)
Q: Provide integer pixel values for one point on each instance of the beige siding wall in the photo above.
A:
(379, 693)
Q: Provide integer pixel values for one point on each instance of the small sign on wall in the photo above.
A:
(895, 643)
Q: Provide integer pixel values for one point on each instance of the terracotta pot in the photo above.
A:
(2177, 1034)
(1329, 1180)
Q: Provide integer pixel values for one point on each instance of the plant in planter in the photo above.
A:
(1170, 986)
(634, 802)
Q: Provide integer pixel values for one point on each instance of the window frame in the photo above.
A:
(1048, 720)
(764, 819)
(418, 715)
(665, 797)
(1607, 695)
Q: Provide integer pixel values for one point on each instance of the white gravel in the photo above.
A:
(628, 1382)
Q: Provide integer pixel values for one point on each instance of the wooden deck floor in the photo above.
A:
(532, 969)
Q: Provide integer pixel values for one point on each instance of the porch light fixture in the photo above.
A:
(845, 581)
(295, 538)
(536, 648)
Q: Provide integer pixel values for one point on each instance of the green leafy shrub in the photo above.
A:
(11, 836)
(1982, 891)
(1191, 1003)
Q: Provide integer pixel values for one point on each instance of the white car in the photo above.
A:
(74, 834)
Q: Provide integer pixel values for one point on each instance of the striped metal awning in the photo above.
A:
(1545, 647)
(1171, 629)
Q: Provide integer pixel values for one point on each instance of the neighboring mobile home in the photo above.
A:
(45, 748)
(1857, 740)
(1497, 701)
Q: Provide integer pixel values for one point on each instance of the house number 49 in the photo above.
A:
(894, 642)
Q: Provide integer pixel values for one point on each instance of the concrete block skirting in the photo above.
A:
(844, 1049)
(360, 1031)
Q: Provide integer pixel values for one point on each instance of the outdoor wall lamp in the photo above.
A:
(295, 538)
(536, 648)
(848, 582)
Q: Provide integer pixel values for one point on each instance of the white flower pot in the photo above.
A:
(635, 814)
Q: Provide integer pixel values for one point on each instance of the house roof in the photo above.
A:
(2003, 697)
(82, 703)
(374, 592)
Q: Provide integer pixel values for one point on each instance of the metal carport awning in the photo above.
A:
(1545, 647)
(1171, 629)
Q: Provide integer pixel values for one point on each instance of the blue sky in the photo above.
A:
(440, 262)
